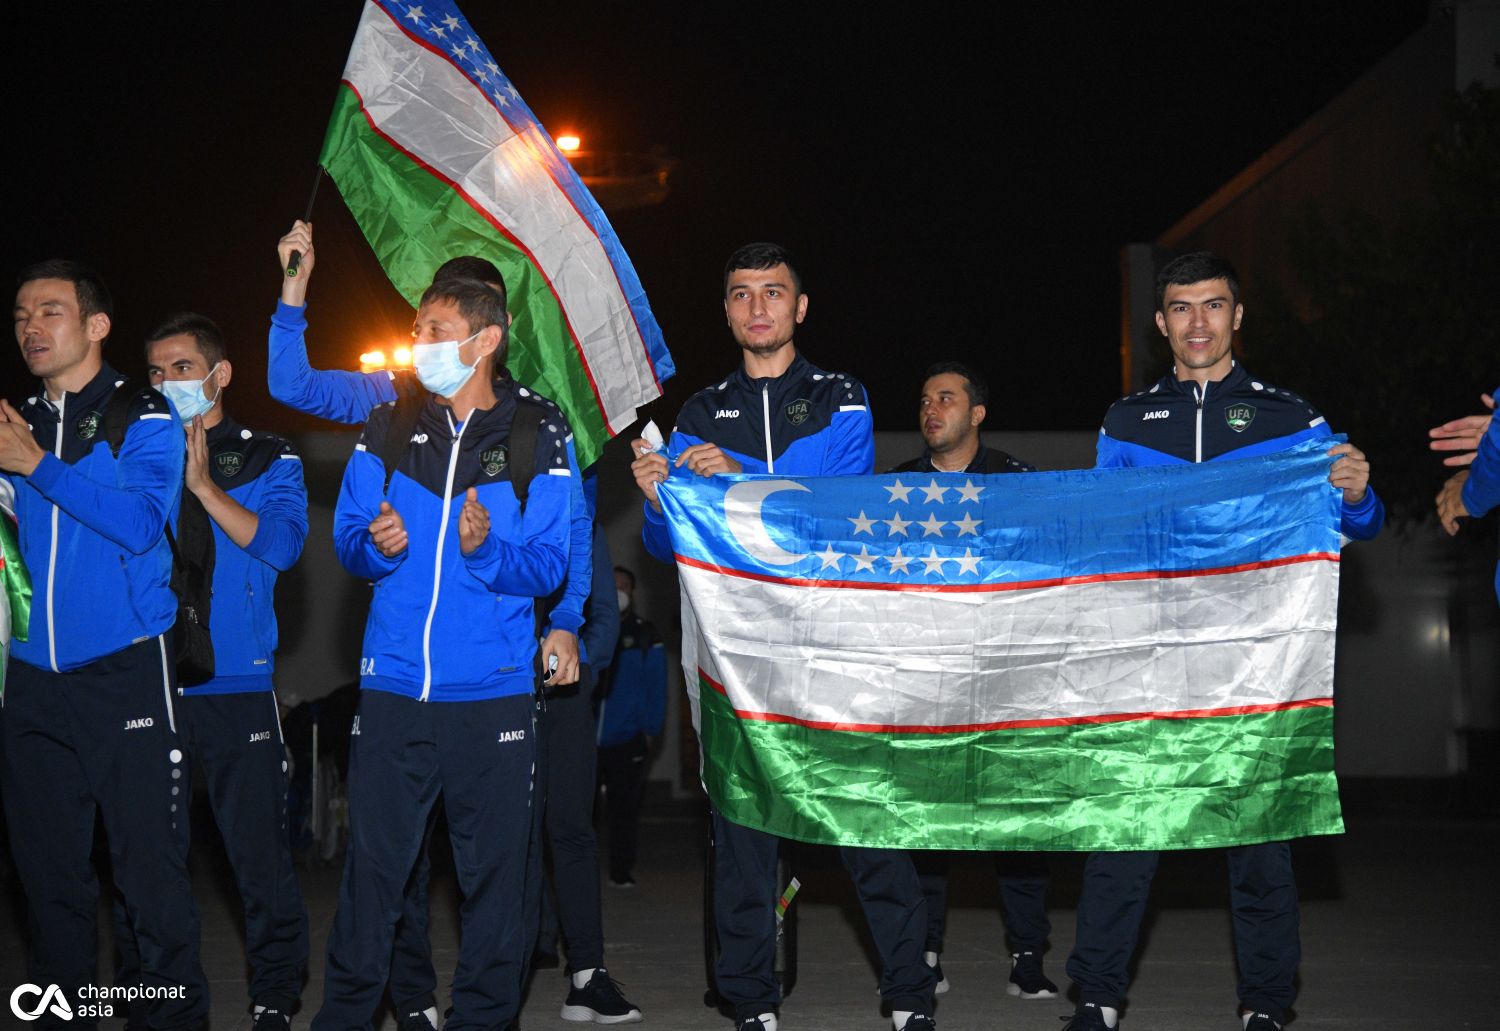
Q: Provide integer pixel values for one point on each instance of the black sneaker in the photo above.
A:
(1261, 1022)
(757, 1023)
(600, 1001)
(919, 1022)
(931, 959)
(415, 1020)
(1088, 1017)
(1027, 979)
(272, 1020)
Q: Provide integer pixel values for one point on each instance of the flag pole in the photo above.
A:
(295, 261)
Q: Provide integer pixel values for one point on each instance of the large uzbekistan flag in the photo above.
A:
(1098, 659)
(438, 156)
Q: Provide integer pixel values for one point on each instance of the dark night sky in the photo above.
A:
(956, 183)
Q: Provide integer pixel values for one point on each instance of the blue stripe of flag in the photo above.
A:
(1032, 526)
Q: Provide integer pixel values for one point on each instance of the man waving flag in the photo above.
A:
(437, 156)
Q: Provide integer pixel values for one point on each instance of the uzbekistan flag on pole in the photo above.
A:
(437, 156)
(1092, 660)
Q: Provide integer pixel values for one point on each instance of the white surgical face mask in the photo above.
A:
(440, 368)
(622, 598)
(187, 395)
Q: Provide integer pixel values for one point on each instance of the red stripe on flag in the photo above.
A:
(1020, 585)
(500, 110)
(1060, 721)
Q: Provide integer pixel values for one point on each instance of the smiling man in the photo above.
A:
(1208, 408)
(777, 413)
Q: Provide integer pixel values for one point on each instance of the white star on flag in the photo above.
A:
(460, 53)
(968, 524)
(932, 525)
(969, 492)
(934, 492)
(830, 558)
(472, 44)
(968, 564)
(934, 563)
(899, 561)
(515, 93)
(501, 99)
(438, 31)
(899, 493)
(493, 67)
(451, 22)
(415, 14)
(862, 525)
(896, 523)
(864, 560)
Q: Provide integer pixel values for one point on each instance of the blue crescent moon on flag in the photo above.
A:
(742, 504)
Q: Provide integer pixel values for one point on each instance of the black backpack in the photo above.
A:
(411, 396)
(192, 559)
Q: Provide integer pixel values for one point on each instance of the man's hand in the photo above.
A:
(563, 644)
(707, 460)
(19, 451)
(1462, 435)
(473, 523)
(1351, 473)
(388, 531)
(649, 469)
(1450, 502)
(195, 473)
(294, 288)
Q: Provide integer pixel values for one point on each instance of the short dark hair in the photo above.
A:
(480, 304)
(471, 266)
(204, 331)
(762, 256)
(627, 574)
(93, 295)
(974, 384)
(1197, 267)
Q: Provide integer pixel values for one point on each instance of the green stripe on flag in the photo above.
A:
(415, 222)
(1141, 784)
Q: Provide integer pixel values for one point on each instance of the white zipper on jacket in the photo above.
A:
(437, 565)
(1200, 394)
(52, 553)
(765, 407)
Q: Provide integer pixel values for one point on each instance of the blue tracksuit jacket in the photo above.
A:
(635, 701)
(263, 472)
(91, 525)
(350, 397)
(1236, 417)
(445, 626)
(805, 422)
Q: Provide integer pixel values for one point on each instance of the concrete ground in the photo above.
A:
(1401, 930)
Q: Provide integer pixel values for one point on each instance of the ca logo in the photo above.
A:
(53, 995)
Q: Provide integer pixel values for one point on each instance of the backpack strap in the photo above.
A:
(117, 415)
(524, 428)
(410, 397)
